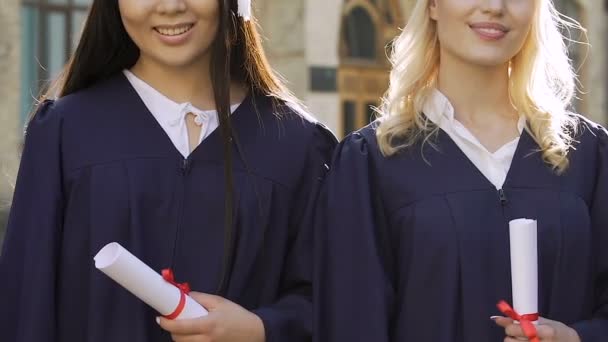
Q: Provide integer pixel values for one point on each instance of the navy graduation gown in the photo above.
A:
(98, 168)
(415, 250)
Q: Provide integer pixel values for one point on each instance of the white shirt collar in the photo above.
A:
(164, 109)
(171, 115)
(438, 108)
(494, 166)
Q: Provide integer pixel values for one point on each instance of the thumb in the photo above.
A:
(503, 321)
(208, 301)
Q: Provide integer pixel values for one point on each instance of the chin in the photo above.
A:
(176, 60)
(490, 63)
(488, 60)
(177, 63)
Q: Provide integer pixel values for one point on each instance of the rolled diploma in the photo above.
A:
(524, 265)
(143, 282)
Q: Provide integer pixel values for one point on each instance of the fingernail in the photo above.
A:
(158, 320)
(494, 318)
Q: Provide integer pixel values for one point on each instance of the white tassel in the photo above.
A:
(245, 9)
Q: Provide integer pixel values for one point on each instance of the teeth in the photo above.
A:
(173, 31)
(490, 30)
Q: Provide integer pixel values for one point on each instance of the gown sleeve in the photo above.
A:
(353, 290)
(290, 317)
(27, 264)
(596, 329)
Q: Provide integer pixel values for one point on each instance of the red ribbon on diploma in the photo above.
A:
(524, 320)
(184, 289)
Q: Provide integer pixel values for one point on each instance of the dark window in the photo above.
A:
(323, 79)
(50, 31)
(388, 15)
(349, 117)
(360, 35)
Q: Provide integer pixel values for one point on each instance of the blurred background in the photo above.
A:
(331, 52)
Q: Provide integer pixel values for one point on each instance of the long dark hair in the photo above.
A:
(105, 49)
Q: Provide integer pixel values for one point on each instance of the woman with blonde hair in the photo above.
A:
(475, 131)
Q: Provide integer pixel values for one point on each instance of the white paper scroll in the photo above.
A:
(524, 265)
(143, 282)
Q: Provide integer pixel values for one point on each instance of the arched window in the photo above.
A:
(360, 35)
(368, 27)
(50, 30)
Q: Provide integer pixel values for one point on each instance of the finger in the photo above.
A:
(190, 338)
(184, 326)
(515, 330)
(542, 320)
(515, 339)
(209, 302)
(546, 332)
(503, 321)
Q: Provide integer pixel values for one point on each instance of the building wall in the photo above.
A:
(596, 72)
(301, 35)
(10, 135)
(323, 19)
(407, 6)
(282, 28)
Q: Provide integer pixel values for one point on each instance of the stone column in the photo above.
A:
(596, 17)
(10, 132)
(323, 19)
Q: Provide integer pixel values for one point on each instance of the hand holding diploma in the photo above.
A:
(546, 331)
(184, 313)
(523, 322)
(226, 322)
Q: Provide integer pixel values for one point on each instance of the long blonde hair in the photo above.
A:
(542, 84)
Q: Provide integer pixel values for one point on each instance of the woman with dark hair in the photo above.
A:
(168, 133)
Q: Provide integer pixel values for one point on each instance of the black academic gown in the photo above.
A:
(98, 168)
(415, 247)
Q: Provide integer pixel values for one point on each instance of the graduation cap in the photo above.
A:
(244, 9)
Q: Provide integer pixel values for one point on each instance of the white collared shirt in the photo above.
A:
(172, 115)
(494, 166)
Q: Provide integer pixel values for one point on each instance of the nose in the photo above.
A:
(494, 7)
(171, 6)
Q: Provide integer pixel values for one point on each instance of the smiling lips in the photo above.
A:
(174, 35)
(175, 30)
(490, 31)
